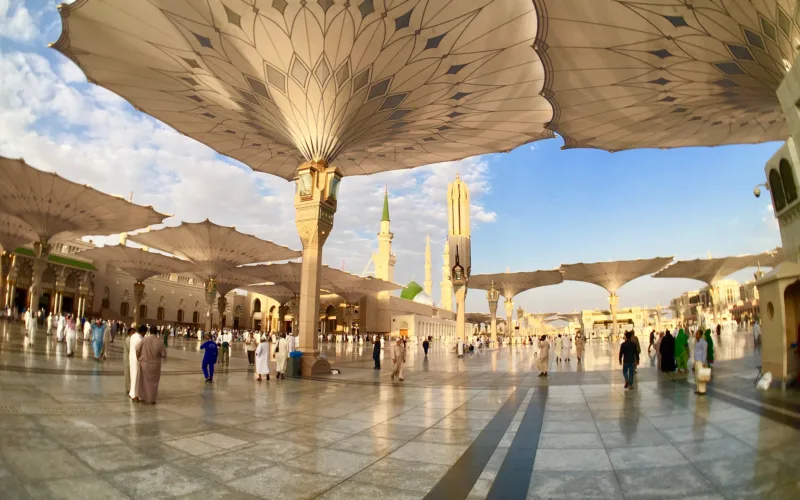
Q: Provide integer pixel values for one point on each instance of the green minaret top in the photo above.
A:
(385, 204)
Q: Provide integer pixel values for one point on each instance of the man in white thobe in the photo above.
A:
(557, 347)
(281, 357)
(292, 342)
(87, 330)
(566, 347)
(460, 348)
(50, 324)
(30, 326)
(61, 327)
(136, 339)
(398, 360)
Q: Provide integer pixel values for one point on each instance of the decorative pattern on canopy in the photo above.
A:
(60, 210)
(213, 248)
(14, 233)
(625, 74)
(613, 275)
(711, 271)
(137, 262)
(371, 85)
(280, 294)
(510, 284)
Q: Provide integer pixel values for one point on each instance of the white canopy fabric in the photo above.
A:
(213, 248)
(625, 74)
(351, 290)
(510, 284)
(613, 275)
(14, 232)
(280, 294)
(371, 85)
(60, 210)
(137, 262)
(711, 271)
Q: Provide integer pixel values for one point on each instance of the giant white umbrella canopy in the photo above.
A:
(57, 209)
(316, 90)
(140, 264)
(712, 271)
(214, 249)
(613, 275)
(14, 232)
(509, 285)
(625, 74)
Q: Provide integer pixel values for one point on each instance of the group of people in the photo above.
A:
(673, 352)
(142, 355)
(398, 354)
(562, 344)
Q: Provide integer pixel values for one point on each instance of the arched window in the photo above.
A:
(789, 186)
(160, 313)
(776, 188)
(123, 308)
(180, 315)
(257, 306)
(195, 317)
(143, 311)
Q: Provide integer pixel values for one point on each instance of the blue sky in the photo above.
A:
(535, 208)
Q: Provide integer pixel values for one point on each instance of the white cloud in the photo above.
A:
(90, 135)
(16, 23)
(769, 218)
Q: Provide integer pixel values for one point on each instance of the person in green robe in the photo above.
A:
(682, 351)
(710, 341)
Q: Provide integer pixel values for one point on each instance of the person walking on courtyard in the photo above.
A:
(681, 350)
(399, 360)
(460, 348)
(250, 345)
(61, 327)
(126, 355)
(262, 359)
(225, 343)
(710, 342)
(666, 353)
(566, 347)
(281, 355)
(719, 330)
(87, 330)
(291, 344)
(71, 335)
(652, 341)
(106, 340)
(30, 325)
(209, 357)
(133, 361)
(425, 346)
(580, 344)
(557, 345)
(543, 361)
(628, 358)
(98, 330)
(701, 354)
(376, 353)
(150, 351)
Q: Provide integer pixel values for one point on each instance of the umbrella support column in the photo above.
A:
(509, 305)
(210, 294)
(6, 260)
(613, 300)
(138, 295)
(492, 296)
(315, 204)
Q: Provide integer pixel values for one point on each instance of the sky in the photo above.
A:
(536, 207)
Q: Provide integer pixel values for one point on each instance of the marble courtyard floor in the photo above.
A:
(480, 427)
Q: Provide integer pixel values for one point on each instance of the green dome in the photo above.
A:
(410, 291)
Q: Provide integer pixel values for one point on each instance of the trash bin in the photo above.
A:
(293, 363)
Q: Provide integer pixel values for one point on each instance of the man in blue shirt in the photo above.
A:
(209, 358)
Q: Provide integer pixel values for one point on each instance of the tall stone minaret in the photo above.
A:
(384, 259)
(446, 285)
(428, 285)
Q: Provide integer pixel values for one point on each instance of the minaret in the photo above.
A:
(384, 259)
(428, 285)
(458, 241)
(446, 285)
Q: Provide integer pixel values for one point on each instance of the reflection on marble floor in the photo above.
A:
(68, 431)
